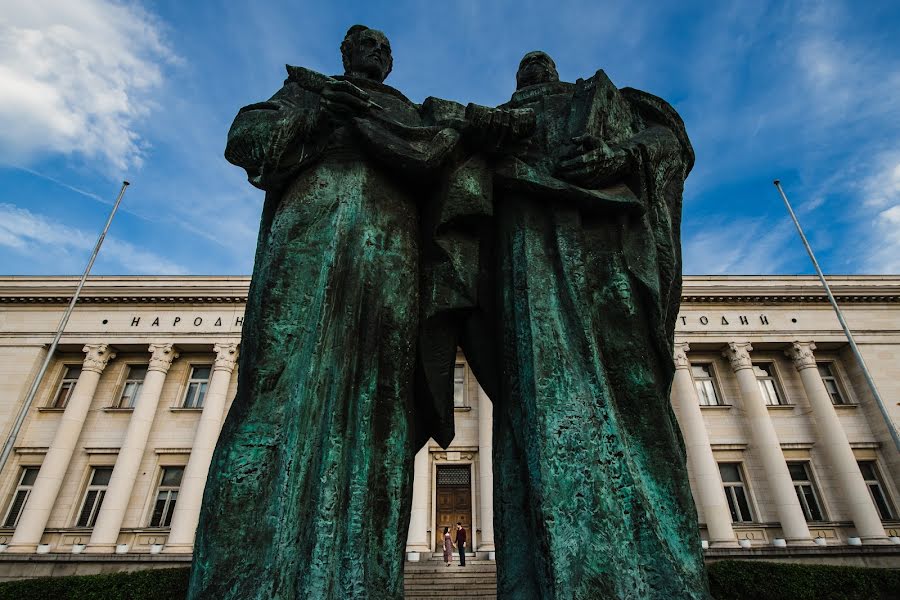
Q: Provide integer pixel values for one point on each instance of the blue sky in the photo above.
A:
(95, 91)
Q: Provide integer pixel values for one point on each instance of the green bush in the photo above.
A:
(728, 580)
(151, 584)
(751, 580)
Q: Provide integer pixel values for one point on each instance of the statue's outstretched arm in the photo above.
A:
(272, 140)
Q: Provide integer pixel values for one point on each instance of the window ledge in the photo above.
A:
(185, 409)
(118, 409)
(845, 406)
(784, 407)
(716, 406)
(462, 408)
(50, 409)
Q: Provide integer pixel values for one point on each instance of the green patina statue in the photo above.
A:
(308, 494)
(542, 237)
(588, 457)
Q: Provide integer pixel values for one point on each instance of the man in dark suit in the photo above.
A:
(461, 543)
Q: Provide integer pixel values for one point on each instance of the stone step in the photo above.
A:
(451, 569)
(434, 580)
(424, 583)
(445, 596)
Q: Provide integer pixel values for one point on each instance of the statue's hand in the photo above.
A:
(591, 161)
(496, 128)
(342, 98)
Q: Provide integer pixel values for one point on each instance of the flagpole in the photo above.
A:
(840, 315)
(20, 418)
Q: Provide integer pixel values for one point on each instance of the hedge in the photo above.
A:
(728, 580)
(751, 580)
(150, 584)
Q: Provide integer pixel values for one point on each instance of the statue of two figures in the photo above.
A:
(542, 238)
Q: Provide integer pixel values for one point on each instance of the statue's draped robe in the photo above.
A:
(309, 488)
(588, 459)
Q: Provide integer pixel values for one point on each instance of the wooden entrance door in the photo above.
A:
(453, 503)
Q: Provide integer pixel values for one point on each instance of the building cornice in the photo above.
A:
(732, 289)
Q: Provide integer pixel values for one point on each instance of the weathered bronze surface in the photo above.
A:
(543, 238)
(588, 458)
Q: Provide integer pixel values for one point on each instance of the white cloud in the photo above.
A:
(882, 187)
(744, 246)
(31, 234)
(76, 78)
(885, 256)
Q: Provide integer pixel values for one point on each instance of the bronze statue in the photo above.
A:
(309, 489)
(542, 237)
(588, 457)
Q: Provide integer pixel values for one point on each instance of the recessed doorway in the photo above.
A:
(453, 501)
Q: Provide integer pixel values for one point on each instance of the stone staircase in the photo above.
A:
(432, 579)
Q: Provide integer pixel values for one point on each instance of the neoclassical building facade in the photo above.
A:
(789, 456)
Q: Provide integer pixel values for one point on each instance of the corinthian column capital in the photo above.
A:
(738, 354)
(681, 359)
(98, 356)
(801, 354)
(226, 357)
(161, 357)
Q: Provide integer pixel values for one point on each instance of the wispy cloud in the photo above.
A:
(744, 246)
(30, 234)
(76, 76)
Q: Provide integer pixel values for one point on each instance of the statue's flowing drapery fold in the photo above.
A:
(588, 458)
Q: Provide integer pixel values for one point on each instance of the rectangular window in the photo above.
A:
(735, 492)
(93, 497)
(806, 491)
(20, 497)
(71, 373)
(870, 474)
(197, 386)
(768, 385)
(826, 370)
(704, 381)
(133, 384)
(166, 497)
(459, 385)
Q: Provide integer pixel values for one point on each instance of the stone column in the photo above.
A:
(417, 538)
(707, 480)
(190, 494)
(128, 463)
(767, 447)
(836, 446)
(485, 470)
(46, 487)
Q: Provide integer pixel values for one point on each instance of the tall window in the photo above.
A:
(93, 497)
(133, 385)
(20, 497)
(166, 497)
(197, 386)
(826, 370)
(71, 373)
(735, 492)
(459, 385)
(765, 377)
(806, 491)
(705, 382)
(870, 474)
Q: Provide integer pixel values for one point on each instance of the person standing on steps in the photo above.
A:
(461, 543)
(448, 547)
